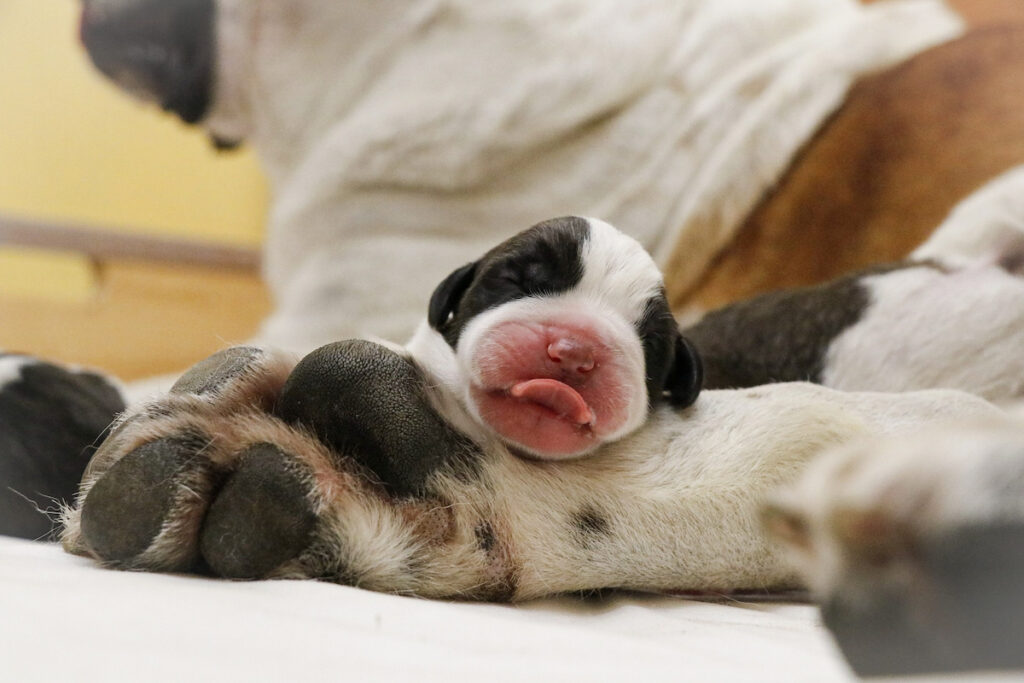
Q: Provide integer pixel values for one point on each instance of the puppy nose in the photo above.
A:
(574, 355)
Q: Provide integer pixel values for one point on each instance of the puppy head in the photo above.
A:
(563, 338)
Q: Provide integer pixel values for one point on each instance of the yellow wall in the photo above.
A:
(72, 147)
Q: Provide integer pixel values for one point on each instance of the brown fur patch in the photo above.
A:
(908, 144)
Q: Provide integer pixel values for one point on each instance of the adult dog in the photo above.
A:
(421, 132)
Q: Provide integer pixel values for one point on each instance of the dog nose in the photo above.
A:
(572, 354)
(158, 50)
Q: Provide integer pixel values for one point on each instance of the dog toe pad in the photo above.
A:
(214, 372)
(262, 517)
(125, 510)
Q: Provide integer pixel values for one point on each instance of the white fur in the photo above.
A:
(404, 137)
(927, 328)
(10, 369)
(987, 222)
(680, 499)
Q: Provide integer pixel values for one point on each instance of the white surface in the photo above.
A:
(62, 617)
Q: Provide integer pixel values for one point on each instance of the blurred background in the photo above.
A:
(160, 267)
(127, 242)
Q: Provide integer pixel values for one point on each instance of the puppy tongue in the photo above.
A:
(556, 396)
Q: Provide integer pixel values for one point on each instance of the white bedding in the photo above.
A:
(62, 617)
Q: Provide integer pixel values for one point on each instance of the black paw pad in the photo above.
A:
(126, 508)
(370, 404)
(214, 372)
(262, 517)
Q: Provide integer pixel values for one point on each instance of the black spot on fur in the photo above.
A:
(782, 336)
(484, 533)
(164, 49)
(50, 422)
(589, 524)
(261, 518)
(544, 259)
(368, 403)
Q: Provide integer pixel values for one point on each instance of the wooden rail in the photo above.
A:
(105, 244)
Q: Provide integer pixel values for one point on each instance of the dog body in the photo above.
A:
(909, 326)
(913, 546)
(949, 317)
(388, 496)
(419, 132)
(370, 465)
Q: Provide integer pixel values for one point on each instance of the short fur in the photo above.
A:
(417, 132)
(673, 506)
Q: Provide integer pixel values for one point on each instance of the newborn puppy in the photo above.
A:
(899, 327)
(559, 339)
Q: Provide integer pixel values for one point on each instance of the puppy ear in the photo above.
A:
(448, 294)
(686, 377)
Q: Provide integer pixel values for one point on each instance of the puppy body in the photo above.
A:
(41, 462)
(908, 326)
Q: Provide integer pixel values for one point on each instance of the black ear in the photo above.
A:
(448, 294)
(686, 377)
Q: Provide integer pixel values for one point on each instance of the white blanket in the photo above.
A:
(64, 618)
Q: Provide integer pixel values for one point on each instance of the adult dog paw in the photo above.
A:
(254, 466)
(915, 547)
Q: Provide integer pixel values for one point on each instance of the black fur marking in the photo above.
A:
(544, 259)
(658, 333)
(126, 507)
(485, 538)
(261, 518)
(672, 363)
(50, 421)
(368, 403)
(211, 374)
(589, 524)
(164, 49)
(782, 336)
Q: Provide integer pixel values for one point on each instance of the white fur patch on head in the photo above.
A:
(618, 272)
